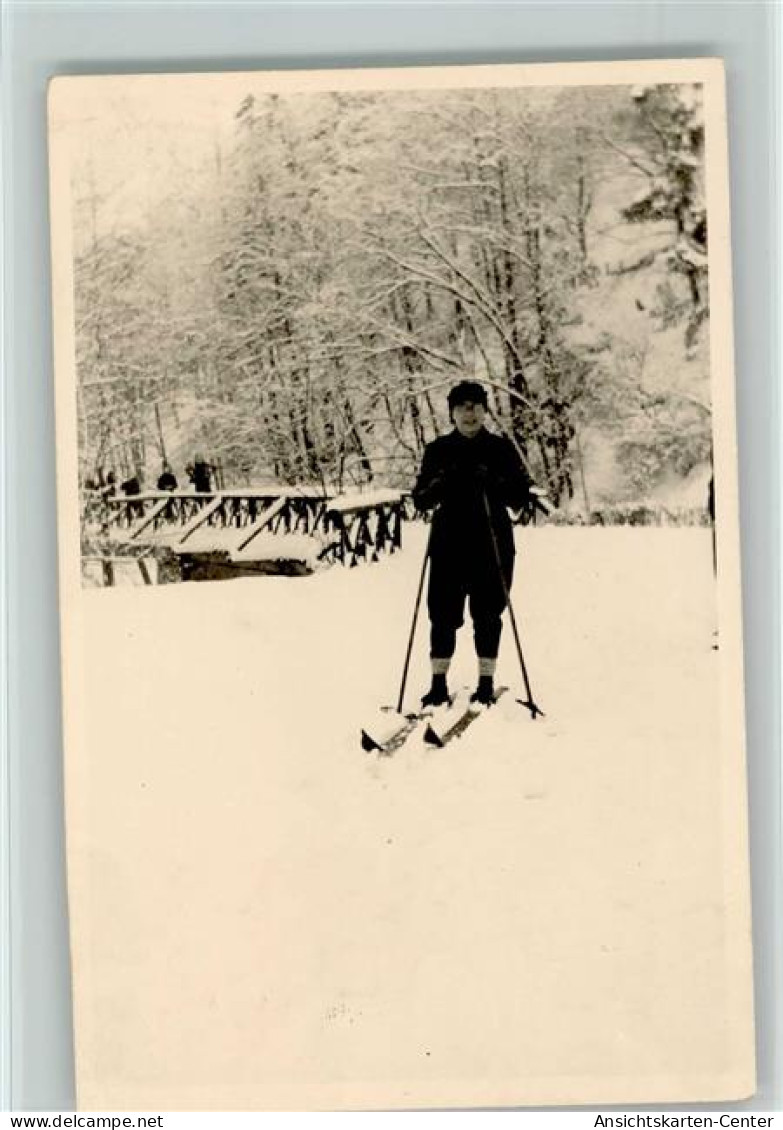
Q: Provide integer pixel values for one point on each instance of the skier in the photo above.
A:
(471, 477)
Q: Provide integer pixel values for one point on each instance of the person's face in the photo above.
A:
(468, 418)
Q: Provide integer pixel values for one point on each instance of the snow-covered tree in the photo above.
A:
(299, 305)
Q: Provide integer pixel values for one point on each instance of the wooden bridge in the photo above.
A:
(239, 532)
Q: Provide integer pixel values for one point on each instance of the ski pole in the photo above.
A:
(530, 704)
(413, 623)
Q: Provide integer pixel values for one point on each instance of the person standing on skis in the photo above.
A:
(470, 477)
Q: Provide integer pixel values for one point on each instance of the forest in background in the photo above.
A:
(297, 307)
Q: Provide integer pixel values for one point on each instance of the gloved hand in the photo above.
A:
(540, 500)
(433, 492)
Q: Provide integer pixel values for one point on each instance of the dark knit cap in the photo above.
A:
(467, 391)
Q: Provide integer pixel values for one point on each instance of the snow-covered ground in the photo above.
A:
(537, 909)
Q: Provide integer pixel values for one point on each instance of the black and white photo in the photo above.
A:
(400, 583)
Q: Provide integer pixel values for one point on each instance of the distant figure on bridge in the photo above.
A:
(132, 485)
(167, 480)
(108, 487)
(472, 478)
(200, 474)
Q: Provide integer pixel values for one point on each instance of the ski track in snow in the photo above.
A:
(354, 900)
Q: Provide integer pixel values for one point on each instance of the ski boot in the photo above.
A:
(484, 693)
(438, 694)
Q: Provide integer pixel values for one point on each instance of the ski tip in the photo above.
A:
(369, 745)
(431, 738)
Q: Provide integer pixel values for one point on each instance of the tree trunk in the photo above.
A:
(513, 349)
(410, 365)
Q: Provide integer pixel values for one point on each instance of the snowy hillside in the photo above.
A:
(388, 916)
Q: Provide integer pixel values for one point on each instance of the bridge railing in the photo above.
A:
(362, 528)
(348, 529)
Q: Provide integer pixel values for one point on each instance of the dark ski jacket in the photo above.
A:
(455, 473)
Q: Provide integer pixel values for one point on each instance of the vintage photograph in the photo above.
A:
(402, 663)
